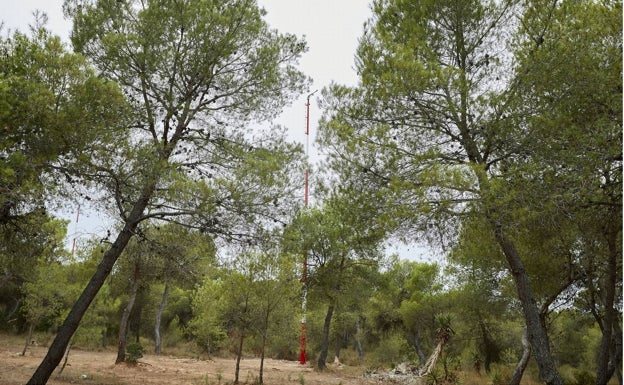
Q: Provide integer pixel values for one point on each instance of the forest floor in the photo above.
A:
(97, 367)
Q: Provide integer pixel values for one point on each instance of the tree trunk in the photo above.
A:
(105, 337)
(31, 328)
(322, 364)
(526, 354)
(265, 331)
(602, 365)
(69, 326)
(240, 345)
(537, 334)
(432, 361)
(341, 341)
(161, 309)
(260, 379)
(238, 356)
(421, 355)
(65, 360)
(123, 325)
(617, 351)
(137, 317)
(489, 346)
(358, 344)
(13, 310)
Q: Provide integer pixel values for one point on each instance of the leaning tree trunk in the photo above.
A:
(433, 359)
(123, 325)
(536, 329)
(69, 326)
(31, 328)
(65, 360)
(322, 361)
(161, 309)
(522, 364)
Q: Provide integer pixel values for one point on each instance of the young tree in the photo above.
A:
(196, 74)
(275, 287)
(422, 304)
(183, 258)
(343, 241)
(45, 298)
(135, 268)
(237, 302)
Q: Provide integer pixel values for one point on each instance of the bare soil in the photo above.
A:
(97, 367)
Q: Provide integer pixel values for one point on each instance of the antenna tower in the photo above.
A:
(75, 231)
(304, 272)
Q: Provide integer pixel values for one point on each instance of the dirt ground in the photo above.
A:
(90, 367)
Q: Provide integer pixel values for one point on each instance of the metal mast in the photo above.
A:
(304, 271)
(75, 231)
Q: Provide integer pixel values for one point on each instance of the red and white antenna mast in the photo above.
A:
(304, 272)
(75, 231)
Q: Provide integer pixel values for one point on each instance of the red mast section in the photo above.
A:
(304, 272)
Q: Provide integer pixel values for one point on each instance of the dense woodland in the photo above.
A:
(489, 130)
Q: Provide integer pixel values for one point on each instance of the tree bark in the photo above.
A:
(432, 361)
(522, 364)
(421, 355)
(238, 356)
(616, 361)
(159, 313)
(536, 329)
(65, 360)
(358, 344)
(31, 328)
(240, 345)
(68, 328)
(603, 374)
(123, 325)
(264, 339)
(322, 361)
(260, 375)
(341, 341)
(489, 346)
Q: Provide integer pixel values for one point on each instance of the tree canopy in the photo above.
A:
(489, 130)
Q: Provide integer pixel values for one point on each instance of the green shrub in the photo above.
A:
(390, 352)
(500, 375)
(134, 351)
(584, 377)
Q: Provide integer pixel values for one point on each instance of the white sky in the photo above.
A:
(331, 29)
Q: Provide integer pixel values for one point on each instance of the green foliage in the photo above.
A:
(134, 351)
(47, 297)
(500, 375)
(206, 326)
(584, 377)
(389, 352)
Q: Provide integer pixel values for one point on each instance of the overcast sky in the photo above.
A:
(331, 28)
